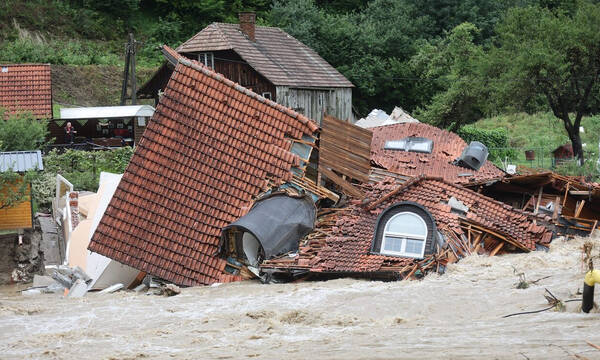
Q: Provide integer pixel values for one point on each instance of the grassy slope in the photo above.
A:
(542, 132)
(90, 85)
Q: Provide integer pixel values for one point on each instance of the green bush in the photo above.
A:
(55, 51)
(43, 188)
(83, 168)
(22, 132)
(495, 139)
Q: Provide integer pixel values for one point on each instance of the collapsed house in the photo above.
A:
(209, 150)
(227, 185)
(572, 203)
(396, 231)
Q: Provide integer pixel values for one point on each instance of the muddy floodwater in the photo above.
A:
(454, 316)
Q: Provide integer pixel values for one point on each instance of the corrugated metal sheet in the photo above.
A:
(21, 161)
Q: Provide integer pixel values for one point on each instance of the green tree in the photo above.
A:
(454, 68)
(22, 132)
(553, 54)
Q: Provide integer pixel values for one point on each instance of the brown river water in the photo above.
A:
(454, 316)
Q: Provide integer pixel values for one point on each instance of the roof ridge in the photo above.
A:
(219, 77)
(412, 181)
(214, 25)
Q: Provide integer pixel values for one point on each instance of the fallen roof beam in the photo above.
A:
(345, 185)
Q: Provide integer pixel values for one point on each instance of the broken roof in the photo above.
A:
(346, 244)
(26, 87)
(447, 147)
(211, 147)
(275, 54)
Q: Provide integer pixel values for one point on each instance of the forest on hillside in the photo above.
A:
(450, 62)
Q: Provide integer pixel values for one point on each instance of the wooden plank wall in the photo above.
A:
(18, 216)
(345, 148)
(313, 103)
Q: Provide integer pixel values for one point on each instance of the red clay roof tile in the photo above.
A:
(192, 172)
(26, 87)
(447, 147)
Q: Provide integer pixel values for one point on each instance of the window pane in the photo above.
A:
(414, 246)
(393, 244)
(395, 145)
(421, 146)
(407, 223)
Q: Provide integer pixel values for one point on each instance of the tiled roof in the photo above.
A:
(348, 242)
(211, 147)
(447, 147)
(26, 87)
(21, 161)
(276, 55)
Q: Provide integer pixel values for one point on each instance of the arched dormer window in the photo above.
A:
(404, 235)
(405, 229)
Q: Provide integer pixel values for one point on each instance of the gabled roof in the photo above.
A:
(21, 161)
(211, 147)
(26, 87)
(276, 55)
(103, 112)
(345, 246)
(447, 147)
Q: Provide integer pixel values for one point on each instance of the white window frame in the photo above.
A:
(207, 58)
(267, 95)
(404, 237)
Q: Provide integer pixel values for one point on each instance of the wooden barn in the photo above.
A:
(269, 62)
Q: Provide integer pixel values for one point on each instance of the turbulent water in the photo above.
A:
(454, 316)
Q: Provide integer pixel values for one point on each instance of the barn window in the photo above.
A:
(405, 229)
(412, 143)
(207, 59)
(267, 95)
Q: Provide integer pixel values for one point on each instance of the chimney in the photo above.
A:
(247, 24)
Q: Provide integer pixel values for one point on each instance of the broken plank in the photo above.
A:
(556, 205)
(345, 185)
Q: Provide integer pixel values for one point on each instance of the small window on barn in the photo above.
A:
(412, 143)
(207, 59)
(267, 95)
(404, 234)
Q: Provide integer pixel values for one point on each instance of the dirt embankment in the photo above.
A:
(91, 85)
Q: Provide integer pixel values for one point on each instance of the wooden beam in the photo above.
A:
(579, 208)
(556, 206)
(539, 200)
(345, 185)
(580, 192)
(566, 193)
(497, 248)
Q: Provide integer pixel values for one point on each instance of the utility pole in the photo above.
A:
(130, 51)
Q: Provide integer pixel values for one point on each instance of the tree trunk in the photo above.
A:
(575, 142)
